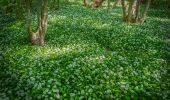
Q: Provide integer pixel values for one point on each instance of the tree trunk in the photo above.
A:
(85, 2)
(145, 11)
(19, 12)
(97, 3)
(137, 16)
(124, 8)
(37, 38)
(42, 20)
(133, 13)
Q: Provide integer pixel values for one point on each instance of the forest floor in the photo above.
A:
(88, 54)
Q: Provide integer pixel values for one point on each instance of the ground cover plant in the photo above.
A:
(88, 54)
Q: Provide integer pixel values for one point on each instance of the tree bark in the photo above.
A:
(43, 21)
(138, 10)
(19, 12)
(37, 38)
(97, 3)
(145, 11)
(133, 13)
(85, 2)
(131, 10)
(124, 8)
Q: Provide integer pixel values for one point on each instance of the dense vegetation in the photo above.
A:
(89, 54)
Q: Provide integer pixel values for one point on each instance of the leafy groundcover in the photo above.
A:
(89, 54)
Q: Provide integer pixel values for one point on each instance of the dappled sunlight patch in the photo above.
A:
(116, 14)
(94, 59)
(54, 18)
(17, 25)
(152, 38)
(167, 41)
(164, 20)
(152, 51)
(48, 51)
(82, 21)
(101, 26)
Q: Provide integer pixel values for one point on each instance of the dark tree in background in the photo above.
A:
(168, 3)
(20, 9)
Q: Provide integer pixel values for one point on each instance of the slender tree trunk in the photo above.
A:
(138, 10)
(19, 10)
(43, 21)
(85, 2)
(145, 11)
(124, 8)
(131, 10)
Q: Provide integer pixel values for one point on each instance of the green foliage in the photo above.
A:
(89, 54)
(6, 2)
